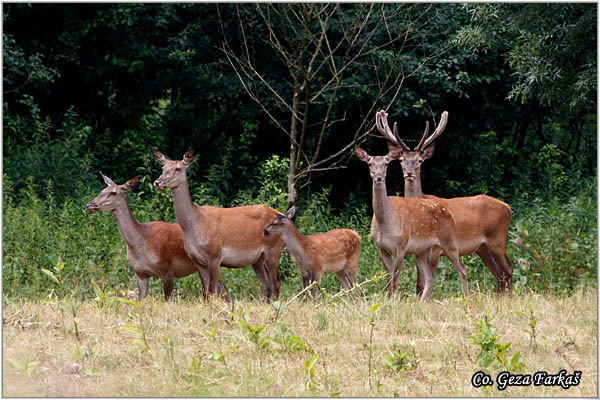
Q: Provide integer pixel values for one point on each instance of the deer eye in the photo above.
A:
(113, 193)
(178, 169)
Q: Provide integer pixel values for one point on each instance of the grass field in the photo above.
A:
(335, 347)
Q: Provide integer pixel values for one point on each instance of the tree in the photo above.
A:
(320, 71)
(551, 49)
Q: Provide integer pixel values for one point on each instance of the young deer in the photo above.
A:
(215, 236)
(336, 251)
(482, 222)
(409, 226)
(153, 248)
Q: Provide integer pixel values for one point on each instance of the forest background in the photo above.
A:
(273, 98)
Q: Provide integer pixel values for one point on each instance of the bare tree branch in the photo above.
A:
(324, 47)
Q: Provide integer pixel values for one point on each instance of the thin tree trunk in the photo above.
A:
(291, 185)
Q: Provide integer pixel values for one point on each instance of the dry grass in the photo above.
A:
(178, 360)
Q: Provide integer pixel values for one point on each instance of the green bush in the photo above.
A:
(39, 233)
(553, 243)
(65, 161)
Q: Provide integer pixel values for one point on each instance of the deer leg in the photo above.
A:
(505, 268)
(424, 267)
(305, 278)
(352, 279)
(420, 282)
(224, 292)
(305, 281)
(168, 285)
(489, 260)
(396, 274)
(142, 281)
(509, 272)
(204, 279)
(386, 258)
(351, 271)
(214, 272)
(272, 268)
(261, 271)
(343, 278)
(460, 269)
(315, 277)
(434, 259)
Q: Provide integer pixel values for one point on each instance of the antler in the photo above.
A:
(384, 129)
(424, 143)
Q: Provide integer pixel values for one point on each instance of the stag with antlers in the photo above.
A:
(482, 222)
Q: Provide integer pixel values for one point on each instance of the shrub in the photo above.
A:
(552, 243)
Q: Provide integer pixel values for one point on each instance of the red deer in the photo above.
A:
(409, 226)
(336, 251)
(482, 222)
(215, 236)
(153, 248)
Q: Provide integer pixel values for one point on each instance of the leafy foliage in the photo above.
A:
(398, 360)
(490, 352)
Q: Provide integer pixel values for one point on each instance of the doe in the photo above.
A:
(153, 248)
(215, 236)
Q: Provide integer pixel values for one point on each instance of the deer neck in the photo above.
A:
(412, 189)
(128, 227)
(294, 241)
(381, 206)
(184, 209)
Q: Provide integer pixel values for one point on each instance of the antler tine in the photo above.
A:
(384, 128)
(438, 131)
(418, 148)
(381, 128)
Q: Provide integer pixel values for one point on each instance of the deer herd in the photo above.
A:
(206, 237)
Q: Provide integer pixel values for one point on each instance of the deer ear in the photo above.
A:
(291, 212)
(132, 183)
(107, 180)
(428, 152)
(361, 154)
(395, 153)
(160, 157)
(188, 157)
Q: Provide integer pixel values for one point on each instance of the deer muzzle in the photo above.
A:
(159, 184)
(91, 207)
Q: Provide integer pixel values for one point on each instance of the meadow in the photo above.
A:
(337, 346)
